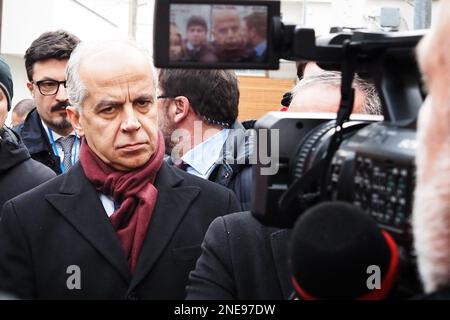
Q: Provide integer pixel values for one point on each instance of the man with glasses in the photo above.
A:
(46, 131)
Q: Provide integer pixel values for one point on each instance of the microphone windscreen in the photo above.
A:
(334, 249)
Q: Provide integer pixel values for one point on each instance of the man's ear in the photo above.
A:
(30, 87)
(74, 117)
(182, 107)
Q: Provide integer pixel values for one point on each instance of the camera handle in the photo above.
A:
(344, 112)
(319, 170)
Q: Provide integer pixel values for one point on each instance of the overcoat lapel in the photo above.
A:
(172, 204)
(79, 203)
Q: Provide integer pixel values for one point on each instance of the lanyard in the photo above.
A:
(55, 150)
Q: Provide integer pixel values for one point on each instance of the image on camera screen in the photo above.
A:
(218, 33)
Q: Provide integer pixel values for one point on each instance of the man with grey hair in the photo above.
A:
(229, 40)
(319, 91)
(121, 223)
(20, 111)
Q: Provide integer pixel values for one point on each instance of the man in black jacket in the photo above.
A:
(197, 46)
(46, 132)
(242, 260)
(122, 223)
(256, 24)
(197, 115)
(18, 173)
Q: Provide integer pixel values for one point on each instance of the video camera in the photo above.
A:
(358, 159)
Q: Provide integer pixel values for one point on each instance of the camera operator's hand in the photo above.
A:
(431, 216)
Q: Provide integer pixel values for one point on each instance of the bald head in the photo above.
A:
(227, 29)
(117, 108)
(21, 110)
(107, 60)
(319, 91)
(321, 97)
(224, 15)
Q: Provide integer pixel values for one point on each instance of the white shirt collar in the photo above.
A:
(56, 136)
(202, 158)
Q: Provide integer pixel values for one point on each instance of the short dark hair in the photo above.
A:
(23, 107)
(213, 94)
(196, 21)
(49, 45)
(257, 21)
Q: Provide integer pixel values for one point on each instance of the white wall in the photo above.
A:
(348, 13)
(323, 14)
(144, 32)
(86, 25)
(318, 14)
(24, 20)
(292, 12)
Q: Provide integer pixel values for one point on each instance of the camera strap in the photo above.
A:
(343, 115)
(296, 190)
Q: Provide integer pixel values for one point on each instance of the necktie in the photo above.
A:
(66, 145)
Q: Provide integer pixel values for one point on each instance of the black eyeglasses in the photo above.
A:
(49, 87)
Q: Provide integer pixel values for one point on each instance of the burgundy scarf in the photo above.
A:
(135, 192)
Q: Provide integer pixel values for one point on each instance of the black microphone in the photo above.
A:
(337, 251)
(286, 100)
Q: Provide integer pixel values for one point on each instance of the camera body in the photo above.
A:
(301, 140)
(373, 168)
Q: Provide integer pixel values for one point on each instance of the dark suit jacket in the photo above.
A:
(62, 223)
(241, 259)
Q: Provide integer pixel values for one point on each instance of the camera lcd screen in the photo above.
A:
(218, 33)
(206, 34)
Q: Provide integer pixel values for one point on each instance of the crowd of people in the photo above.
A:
(127, 182)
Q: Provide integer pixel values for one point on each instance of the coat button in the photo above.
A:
(226, 175)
